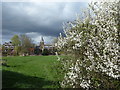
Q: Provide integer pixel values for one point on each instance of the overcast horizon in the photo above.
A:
(36, 19)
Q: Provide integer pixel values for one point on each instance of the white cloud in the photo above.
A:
(59, 1)
(46, 0)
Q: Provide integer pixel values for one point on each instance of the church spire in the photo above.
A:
(42, 44)
(42, 40)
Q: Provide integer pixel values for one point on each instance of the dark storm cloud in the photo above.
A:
(43, 18)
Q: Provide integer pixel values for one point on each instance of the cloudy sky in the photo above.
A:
(37, 19)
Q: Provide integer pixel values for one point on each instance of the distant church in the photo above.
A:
(42, 45)
(43, 48)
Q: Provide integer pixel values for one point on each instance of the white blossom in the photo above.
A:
(98, 46)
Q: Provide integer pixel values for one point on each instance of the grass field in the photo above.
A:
(30, 72)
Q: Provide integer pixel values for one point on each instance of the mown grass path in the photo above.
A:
(30, 72)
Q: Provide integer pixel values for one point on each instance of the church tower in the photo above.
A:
(42, 44)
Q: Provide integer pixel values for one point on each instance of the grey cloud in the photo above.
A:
(43, 18)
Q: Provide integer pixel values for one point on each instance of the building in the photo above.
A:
(8, 48)
(42, 45)
(41, 49)
(8, 45)
(44, 48)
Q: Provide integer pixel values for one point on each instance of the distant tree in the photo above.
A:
(16, 40)
(17, 50)
(26, 43)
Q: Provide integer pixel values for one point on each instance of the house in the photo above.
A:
(8, 48)
(41, 49)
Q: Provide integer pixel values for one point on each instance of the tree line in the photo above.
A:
(21, 44)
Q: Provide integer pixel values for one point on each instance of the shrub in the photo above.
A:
(45, 52)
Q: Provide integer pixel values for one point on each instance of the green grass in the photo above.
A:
(30, 72)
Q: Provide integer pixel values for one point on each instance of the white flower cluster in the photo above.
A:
(107, 40)
(94, 44)
(74, 77)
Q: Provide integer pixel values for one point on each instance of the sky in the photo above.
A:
(38, 19)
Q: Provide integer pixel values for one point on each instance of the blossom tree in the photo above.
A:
(91, 45)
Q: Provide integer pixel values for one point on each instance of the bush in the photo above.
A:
(45, 52)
